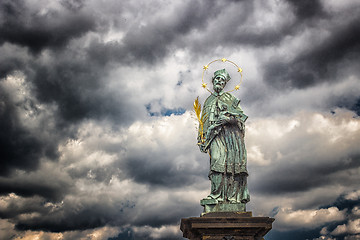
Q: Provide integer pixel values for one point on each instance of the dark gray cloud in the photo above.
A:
(16, 207)
(162, 170)
(79, 216)
(232, 24)
(149, 41)
(10, 64)
(150, 216)
(356, 107)
(307, 9)
(74, 5)
(152, 42)
(103, 174)
(19, 148)
(71, 84)
(316, 158)
(70, 77)
(36, 31)
(295, 235)
(321, 62)
(297, 177)
(52, 191)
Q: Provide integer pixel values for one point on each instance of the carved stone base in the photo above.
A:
(226, 226)
(211, 205)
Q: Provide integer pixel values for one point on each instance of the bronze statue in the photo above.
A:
(221, 135)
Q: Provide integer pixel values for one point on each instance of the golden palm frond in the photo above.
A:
(197, 108)
(201, 119)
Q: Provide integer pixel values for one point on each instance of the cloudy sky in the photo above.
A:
(98, 138)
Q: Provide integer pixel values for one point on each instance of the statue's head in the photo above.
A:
(221, 77)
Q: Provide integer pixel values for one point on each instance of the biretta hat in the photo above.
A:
(223, 73)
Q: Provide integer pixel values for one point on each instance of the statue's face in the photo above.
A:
(219, 83)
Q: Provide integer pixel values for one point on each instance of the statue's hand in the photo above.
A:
(223, 119)
(210, 131)
(202, 147)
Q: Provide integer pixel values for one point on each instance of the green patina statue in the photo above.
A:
(221, 135)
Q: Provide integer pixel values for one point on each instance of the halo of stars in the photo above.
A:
(206, 67)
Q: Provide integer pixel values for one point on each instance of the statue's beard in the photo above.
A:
(218, 88)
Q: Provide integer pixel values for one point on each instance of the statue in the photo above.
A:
(221, 135)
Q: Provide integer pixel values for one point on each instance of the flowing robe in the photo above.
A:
(224, 141)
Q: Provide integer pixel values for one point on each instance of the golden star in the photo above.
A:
(237, 87)
(239, 70)
(223, 59)
(204, 85)
(205, 67)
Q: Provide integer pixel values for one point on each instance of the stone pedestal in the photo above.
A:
(226, 226)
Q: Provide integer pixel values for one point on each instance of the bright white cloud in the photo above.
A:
(355, 195)
(352, 227)
(157, 233)
(290, 219)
